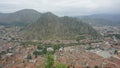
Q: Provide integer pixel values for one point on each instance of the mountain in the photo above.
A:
(102, 19)
(50, 26)
(19, 18)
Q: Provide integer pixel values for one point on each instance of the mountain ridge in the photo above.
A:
(26, 16)
(101, 19)
(21, 17)
(50, 26)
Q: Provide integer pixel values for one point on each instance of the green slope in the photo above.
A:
(50, 26)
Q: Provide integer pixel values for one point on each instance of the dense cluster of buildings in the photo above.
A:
(104, 54)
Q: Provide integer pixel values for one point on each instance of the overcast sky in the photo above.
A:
(63, 7)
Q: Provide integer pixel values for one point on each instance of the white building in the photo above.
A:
(50, 49)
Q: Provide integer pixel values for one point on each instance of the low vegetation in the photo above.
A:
(49, 62)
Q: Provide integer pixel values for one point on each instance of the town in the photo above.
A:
(16, 53)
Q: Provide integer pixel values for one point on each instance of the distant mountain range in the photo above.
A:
(26, 16)
(19, 18)
(101, 19)
(50, 26)
(47, 25)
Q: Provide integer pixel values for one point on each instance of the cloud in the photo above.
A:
(63, 7)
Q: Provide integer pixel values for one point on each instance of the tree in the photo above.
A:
(60, 65)
(29, 57)
(49, 60)
(116, 52)
(0, 56)
(87, 67)
(36, 53)
(80, 38)
(0, 66)
(96, 66)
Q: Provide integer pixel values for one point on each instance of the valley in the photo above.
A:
(71, 42)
